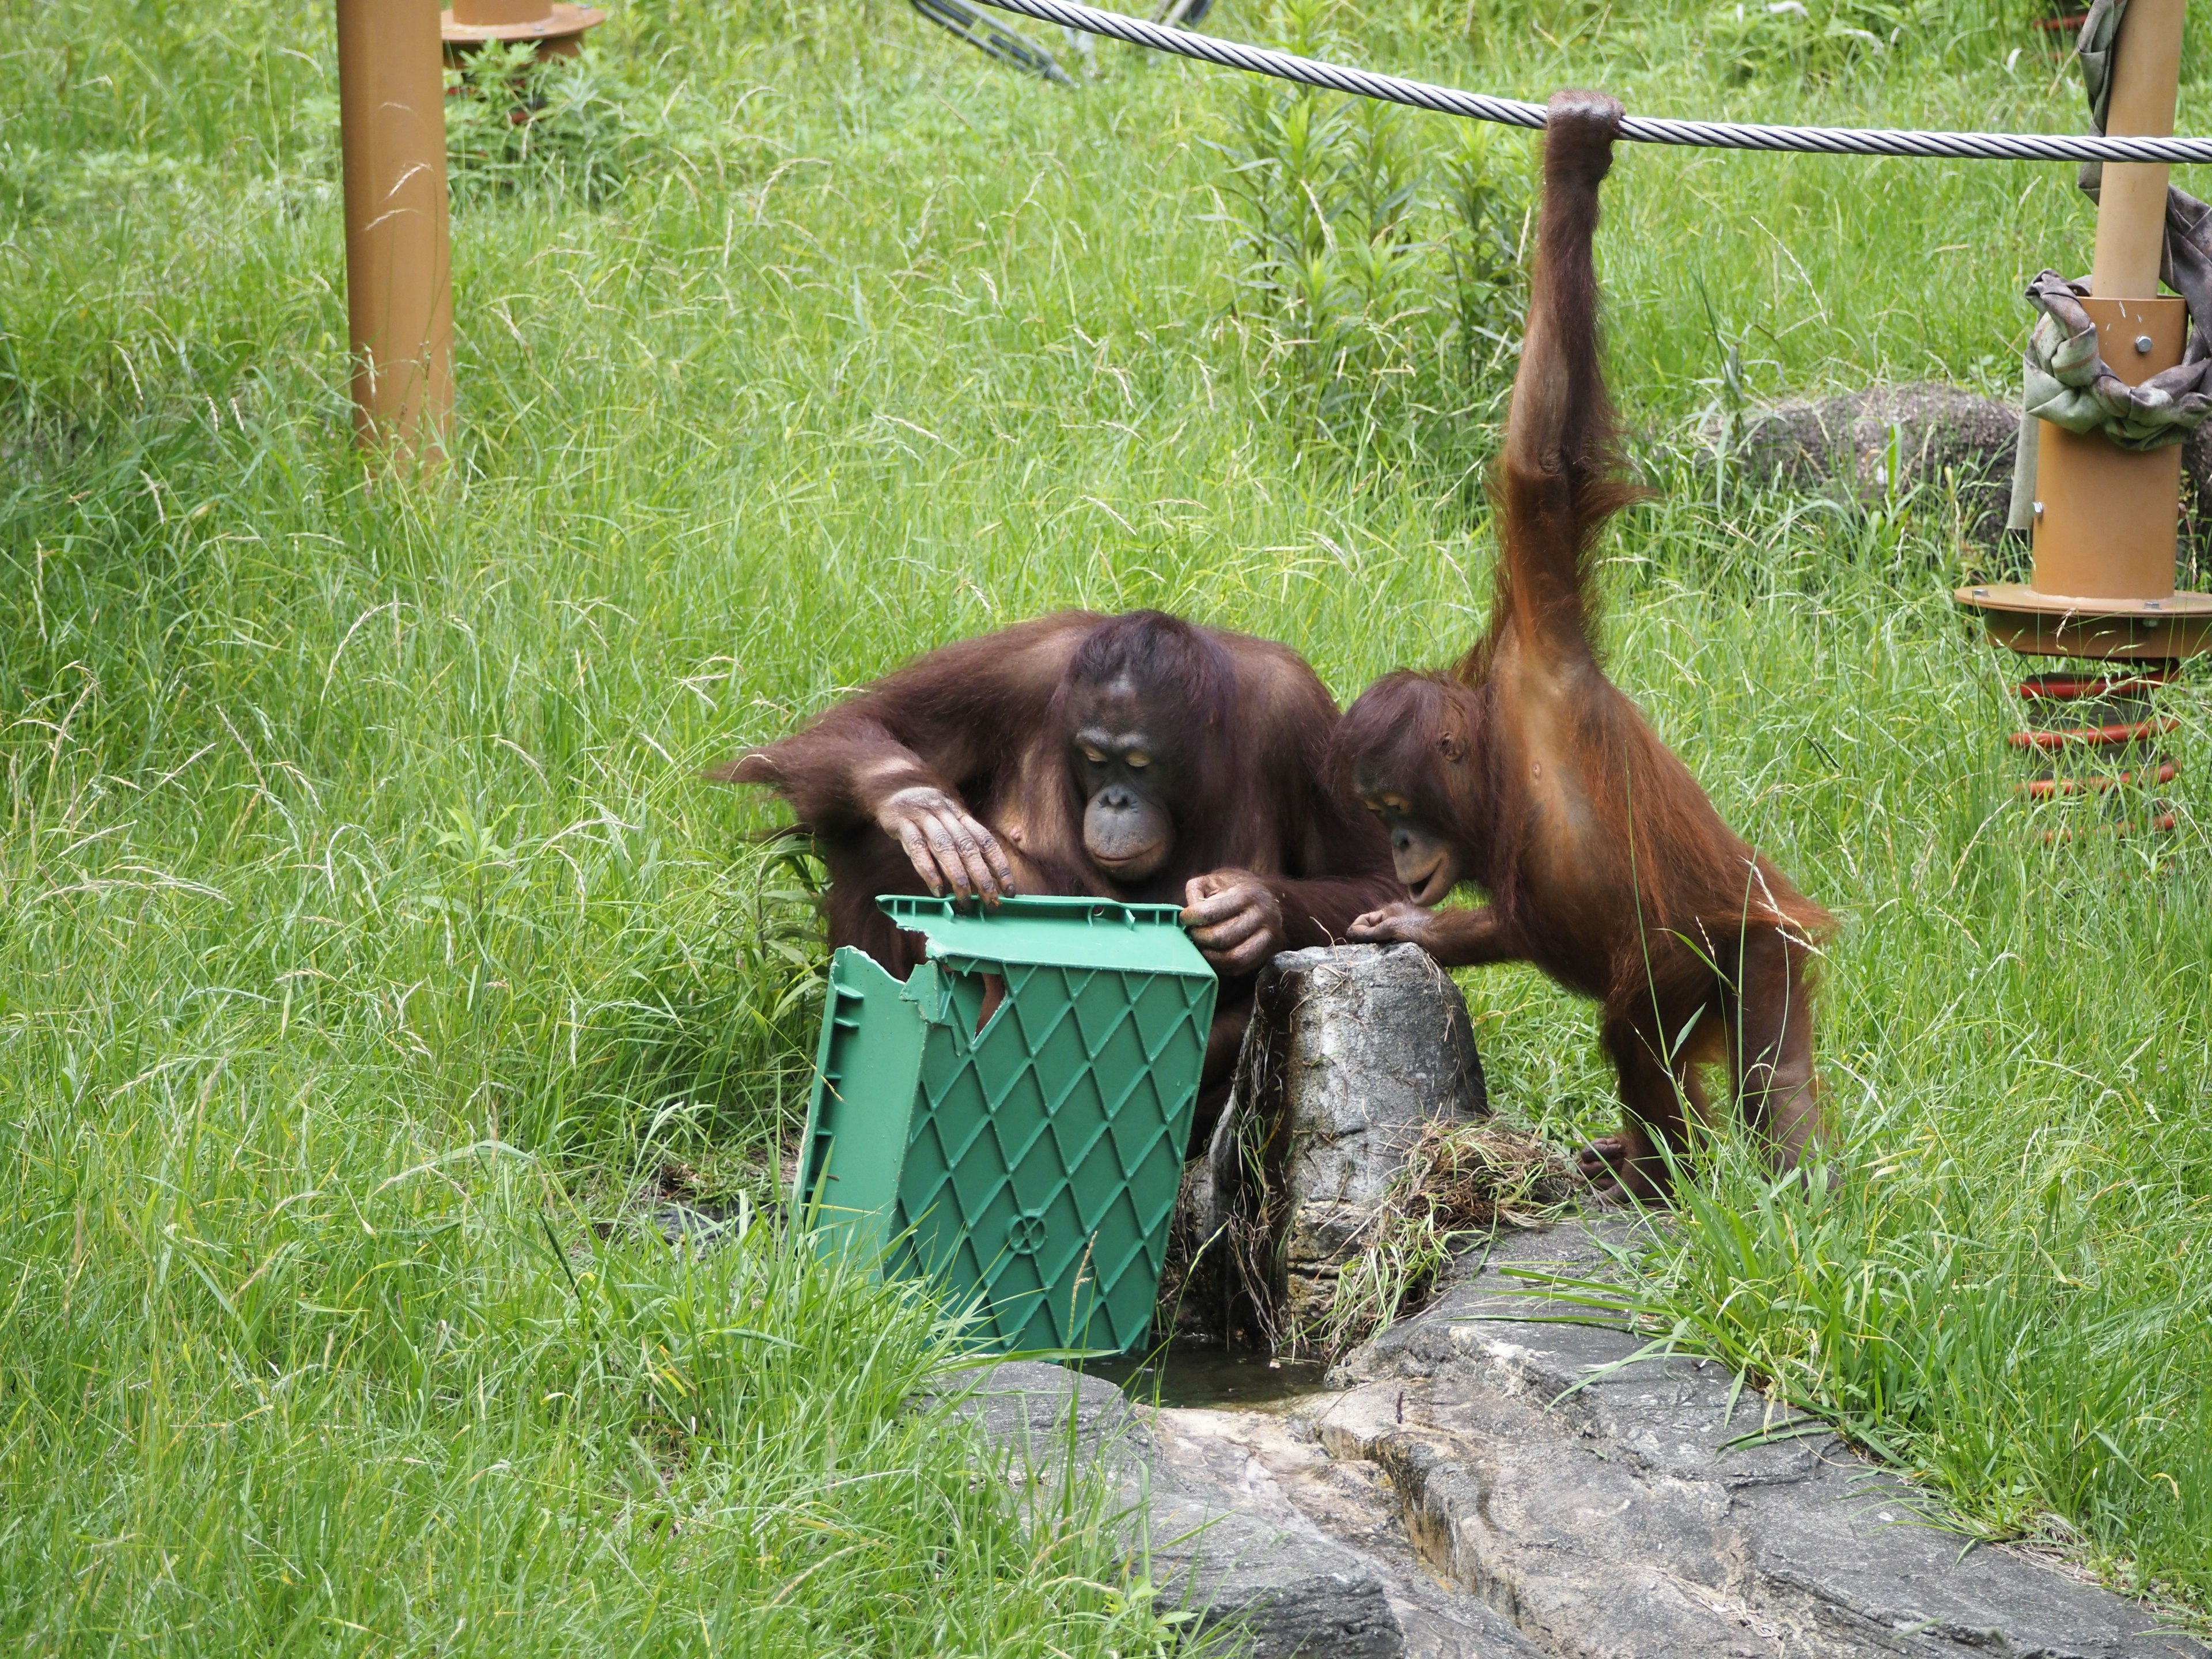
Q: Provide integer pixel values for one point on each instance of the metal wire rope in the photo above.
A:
(1642, 129)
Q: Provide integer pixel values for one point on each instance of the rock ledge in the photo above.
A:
(1453, 1501)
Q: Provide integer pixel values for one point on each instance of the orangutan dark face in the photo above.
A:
(1125, 780)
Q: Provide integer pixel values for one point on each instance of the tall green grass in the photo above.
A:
(368, 942)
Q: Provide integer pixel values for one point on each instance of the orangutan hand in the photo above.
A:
(1235, 920)
(948, 846)
(1403, 922)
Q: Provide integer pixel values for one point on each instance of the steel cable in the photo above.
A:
(1641, 128)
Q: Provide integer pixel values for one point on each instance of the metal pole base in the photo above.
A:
(2038, 624)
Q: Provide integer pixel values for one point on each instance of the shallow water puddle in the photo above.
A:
(1205, 1374)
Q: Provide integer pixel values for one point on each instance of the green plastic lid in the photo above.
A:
(1066, 933)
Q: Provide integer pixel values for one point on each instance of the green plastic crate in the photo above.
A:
(1032, 1164)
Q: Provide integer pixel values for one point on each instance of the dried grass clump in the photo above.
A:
(1463, 1181)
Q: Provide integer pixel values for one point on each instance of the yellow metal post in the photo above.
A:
(2131, 205)
(399, 290)
(2105, 518)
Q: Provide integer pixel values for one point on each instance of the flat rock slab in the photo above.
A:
(1211, 1542)
(1274, 1468)
(1632, 1518)
(1449, 1503)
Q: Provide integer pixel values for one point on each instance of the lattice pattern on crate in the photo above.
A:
(1044, 1164)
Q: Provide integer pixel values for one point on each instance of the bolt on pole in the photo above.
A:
(2107, 518)
(399, 290)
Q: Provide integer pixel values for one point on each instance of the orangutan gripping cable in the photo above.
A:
(1526, 771)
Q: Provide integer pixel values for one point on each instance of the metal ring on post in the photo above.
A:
(554, 27)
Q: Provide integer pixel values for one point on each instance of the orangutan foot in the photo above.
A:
(1613, 1178)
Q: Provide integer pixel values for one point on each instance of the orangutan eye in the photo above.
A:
(1398, 804)
(1137, 760)
(1095, 757)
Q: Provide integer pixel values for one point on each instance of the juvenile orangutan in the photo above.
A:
(1527, 772)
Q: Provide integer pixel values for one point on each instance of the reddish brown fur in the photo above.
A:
(1244, 748)
(1606, 864)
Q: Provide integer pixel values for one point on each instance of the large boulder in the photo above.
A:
(1874, 444)
(1868, 445)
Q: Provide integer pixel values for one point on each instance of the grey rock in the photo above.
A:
(1376, 1046)
(1353, 1053)
(1274, 1467)
(1046, 1417)
(1634, 1518)
(1286, 1589)
(1268, 1572)
(1863, 444)
(1872, 444)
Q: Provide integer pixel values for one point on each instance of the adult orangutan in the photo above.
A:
(1136, 757)
(1526, 771)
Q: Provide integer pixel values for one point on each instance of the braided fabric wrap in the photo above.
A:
(2068, 383)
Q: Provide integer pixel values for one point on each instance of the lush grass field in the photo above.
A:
(367, 936)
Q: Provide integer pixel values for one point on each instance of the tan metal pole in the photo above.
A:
(2106, 519)
(399, 291)
(2131, 206)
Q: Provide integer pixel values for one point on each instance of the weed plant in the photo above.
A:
(572, 128)
(368, 938)
(1383, 284)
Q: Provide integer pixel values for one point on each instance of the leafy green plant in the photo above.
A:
(1812, 39)
(1485, 217)
(1381, 279)
(522, 125)
(572, 125)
